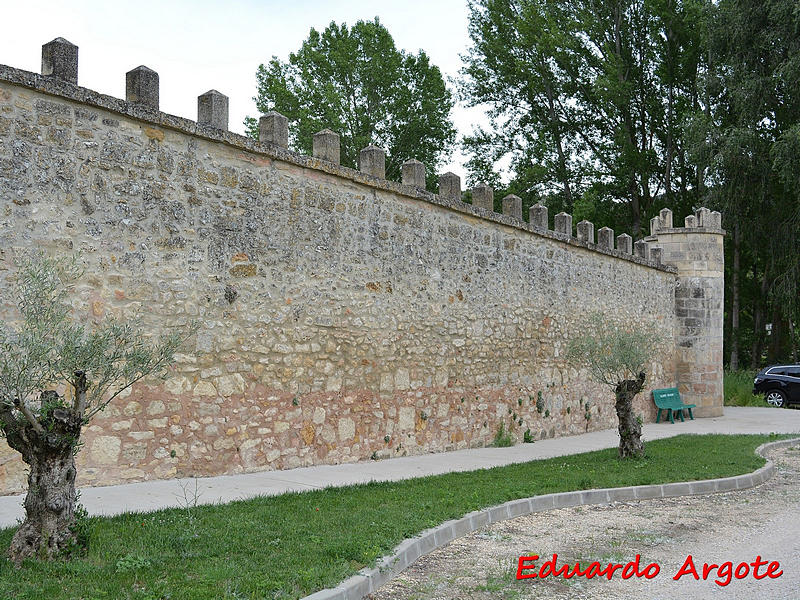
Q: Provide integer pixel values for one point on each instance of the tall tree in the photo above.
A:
(518, 67)
(753, 134)
(586, 96)
(355, 81)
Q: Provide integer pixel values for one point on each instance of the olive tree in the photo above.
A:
(56, 373)
(617, 356)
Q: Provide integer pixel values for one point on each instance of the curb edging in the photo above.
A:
(409, 550)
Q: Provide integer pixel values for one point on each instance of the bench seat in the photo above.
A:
(669, 399)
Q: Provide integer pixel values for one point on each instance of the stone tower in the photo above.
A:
(696, 252)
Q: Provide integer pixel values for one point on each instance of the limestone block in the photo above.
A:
(655, 255)
(605, 238)
(347, 429)
(714, 220)
(60, 60)
(483, 197)
(141, 87)
(132, 408)
(625, 243)
(156, 407)
(585, 231)
(228, 385)
(204, 388)
(642, 249)
(273, 128)
(655, 225)
(326, 146)
(450, 187)
(401, 379)
(702, 215)
(665, 216)
(372, 161)
(405, 420)
(512, 206)
(212, 110)
(538, 217)
(562, 223)
(414, 173)
(105, 450)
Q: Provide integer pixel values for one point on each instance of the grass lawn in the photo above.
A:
(291, 545)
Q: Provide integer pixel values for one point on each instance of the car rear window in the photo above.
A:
(792, 371)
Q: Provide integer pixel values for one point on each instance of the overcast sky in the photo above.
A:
(200, 45)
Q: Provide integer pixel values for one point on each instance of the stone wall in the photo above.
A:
(342, 317)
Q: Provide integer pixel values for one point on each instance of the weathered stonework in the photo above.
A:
(698, 255)
(343, 317)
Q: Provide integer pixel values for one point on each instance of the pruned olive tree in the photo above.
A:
(56, 373)
(617, 356)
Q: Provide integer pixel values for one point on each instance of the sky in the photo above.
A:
(200, 45)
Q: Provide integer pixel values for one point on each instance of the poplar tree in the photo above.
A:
(354, 81)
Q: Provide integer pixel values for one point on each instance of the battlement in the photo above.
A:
(60, 78)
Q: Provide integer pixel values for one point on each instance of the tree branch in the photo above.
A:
(80, 393)
(26, 412)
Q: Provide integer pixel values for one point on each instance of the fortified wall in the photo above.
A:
(342, 316)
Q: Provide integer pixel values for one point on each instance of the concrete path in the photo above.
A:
(152, 495)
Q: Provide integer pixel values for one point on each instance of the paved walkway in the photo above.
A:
(151, 495)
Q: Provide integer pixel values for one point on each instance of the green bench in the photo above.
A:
(670, 400)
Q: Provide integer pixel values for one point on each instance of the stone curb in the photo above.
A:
(388, 567)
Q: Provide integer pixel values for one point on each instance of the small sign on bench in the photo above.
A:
(669, 399)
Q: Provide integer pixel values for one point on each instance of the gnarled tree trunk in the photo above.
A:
(630, 429)
(50, 503)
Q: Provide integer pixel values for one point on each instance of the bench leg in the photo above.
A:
(690, 415)
(658, 416)
(671, 414)
(680, 414)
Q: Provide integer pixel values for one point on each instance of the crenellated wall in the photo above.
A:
(343, 316)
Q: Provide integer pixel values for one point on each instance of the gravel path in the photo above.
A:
(734, 526)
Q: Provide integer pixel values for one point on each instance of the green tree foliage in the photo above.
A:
(356, 82)
(618, 356)
(43, 354)
(611, 352)
(752, 133)
(587, 97)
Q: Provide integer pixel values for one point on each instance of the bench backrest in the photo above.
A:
(666, 397)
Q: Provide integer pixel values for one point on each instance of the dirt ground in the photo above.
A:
(734, 526)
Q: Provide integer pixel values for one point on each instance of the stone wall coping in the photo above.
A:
(654, 238)
(408, 551)
(69, 91)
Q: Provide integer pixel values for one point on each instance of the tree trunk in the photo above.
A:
(48, 528)
(758, 323)
(49, 508)
(734, 363)
(630, 429)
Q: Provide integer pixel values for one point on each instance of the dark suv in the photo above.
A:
(780, 384)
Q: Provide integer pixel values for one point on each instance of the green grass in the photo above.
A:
(738, 389)
(291, 545)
